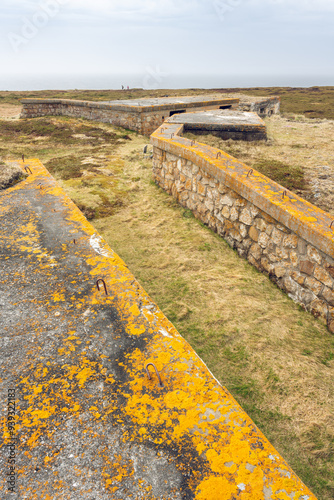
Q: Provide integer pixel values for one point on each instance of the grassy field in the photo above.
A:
(314, 102)
(276, 359)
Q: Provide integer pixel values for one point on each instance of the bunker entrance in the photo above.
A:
(225, 107)
(177, 112)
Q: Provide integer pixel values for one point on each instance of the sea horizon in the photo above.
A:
(155, 80)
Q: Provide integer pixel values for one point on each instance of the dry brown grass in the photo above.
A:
(9, 111)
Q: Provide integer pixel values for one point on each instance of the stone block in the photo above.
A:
(298, 277)
(328, 295)
(306, 267)
(269, 229)
(321, 275)
(226, 200)
(267, 266)
(263, 240)
(188, 185)
(280, 270)
(294, 258)
(319, 309)
(243, 230)
(253, 233)
(273, 257)
(209, 204)
(314, 285)
(314, 255)
(201, 189)
(282, 253)
(255, 251)
(301, 246)
(330, 269)
(240, 202)
(290, 241)
(246, 217)
(260, 224)
(234, 214)
(290, 285)
(225, 212)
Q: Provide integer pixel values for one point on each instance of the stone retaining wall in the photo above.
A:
(281, 234)
(143, 119)
(263, 107)
(33, 108)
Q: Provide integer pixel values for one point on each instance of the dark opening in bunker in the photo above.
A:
(178, 111)
(225, 107)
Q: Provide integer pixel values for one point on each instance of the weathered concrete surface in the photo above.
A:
(237, 125)
(146, 104)
(89, 423)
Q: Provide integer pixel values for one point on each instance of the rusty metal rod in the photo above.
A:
(28, 169)
(100, 280)
(156, 371)
(250, 172)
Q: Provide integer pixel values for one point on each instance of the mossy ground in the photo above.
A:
(276, 359)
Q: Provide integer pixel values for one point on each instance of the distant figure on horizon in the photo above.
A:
(122, 87)
(128, 87)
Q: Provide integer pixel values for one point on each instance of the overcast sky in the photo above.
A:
(159, 39)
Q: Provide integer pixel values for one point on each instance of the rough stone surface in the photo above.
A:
(303, 271)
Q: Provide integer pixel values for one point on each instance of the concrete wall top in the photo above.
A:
(89, 422)
(305, 219)
(142, 105)
(219, 119)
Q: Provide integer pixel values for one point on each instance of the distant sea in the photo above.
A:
(150, 80)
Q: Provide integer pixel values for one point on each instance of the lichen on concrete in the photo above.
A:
(89, 423)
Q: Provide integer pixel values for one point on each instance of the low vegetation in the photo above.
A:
(314, 102)
(276, 359)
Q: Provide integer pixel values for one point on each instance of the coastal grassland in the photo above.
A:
(276, 359)
(313, 102)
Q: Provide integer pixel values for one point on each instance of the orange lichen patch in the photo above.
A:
(85, 398)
